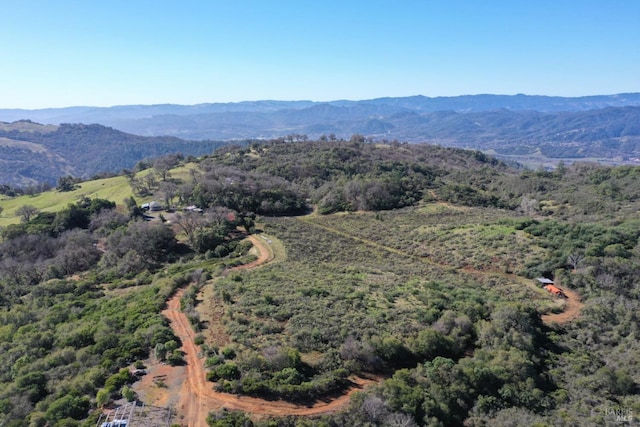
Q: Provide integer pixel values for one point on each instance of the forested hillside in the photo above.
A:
(528, 129)
(31, 153)
(410, 263)
(599, 133)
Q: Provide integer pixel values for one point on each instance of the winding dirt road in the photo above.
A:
(197, 397)
(194, 397)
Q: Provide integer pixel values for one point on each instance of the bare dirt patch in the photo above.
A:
(571, 311)
(211, 311)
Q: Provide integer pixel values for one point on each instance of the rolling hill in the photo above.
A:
(31, 152)
(415, 270)
(534, 130)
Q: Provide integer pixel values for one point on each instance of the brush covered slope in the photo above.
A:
(412, 262)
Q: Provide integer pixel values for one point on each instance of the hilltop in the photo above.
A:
(533, 130)
(31, 152)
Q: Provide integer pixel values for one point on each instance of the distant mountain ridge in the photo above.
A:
(140, 119)
(531, 129)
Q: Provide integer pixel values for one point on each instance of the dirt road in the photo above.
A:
(265, 254)
(571, 309)
(196, 397)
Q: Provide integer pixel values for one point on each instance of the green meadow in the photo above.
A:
(115, 189)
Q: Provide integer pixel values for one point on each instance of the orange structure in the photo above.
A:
(555, 291)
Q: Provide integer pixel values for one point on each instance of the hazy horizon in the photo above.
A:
(319, 102)
(69, 53)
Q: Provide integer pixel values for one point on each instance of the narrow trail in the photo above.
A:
(196, 395)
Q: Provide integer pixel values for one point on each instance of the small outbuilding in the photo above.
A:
(151, 206)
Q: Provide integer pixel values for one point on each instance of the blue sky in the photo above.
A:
(113, 52)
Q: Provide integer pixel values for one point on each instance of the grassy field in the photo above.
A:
(115, 189)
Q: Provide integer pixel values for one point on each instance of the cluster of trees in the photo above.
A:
(506, 370)
(245, 191)
(138, 247)
(211, 231)
(63, 339)
(48, 245)
(18, 190)
(75, 215)
(367, 195)
(576, 245)
(67, 183)
(352, 175)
